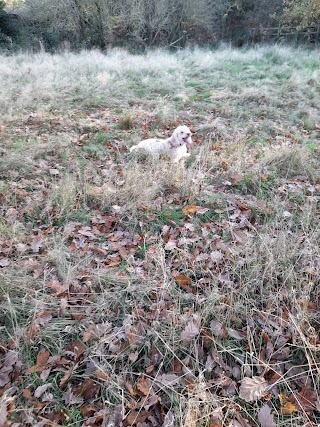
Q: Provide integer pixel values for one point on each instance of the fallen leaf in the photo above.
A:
(176, 366)
(184, 283)
(57, 417)
(149, 369)
(63, 306)
(54, 172)
(32, 331)
(216, 415)
(96, 331)
(168, 420)
(265, 417)
(201, 210)
(66, 376)
(7, 366)
(241, 422)
(76, 347)
(36, 244)
(97, 250)
(12, 214)
(87, 410)
(4, 262)
(88, 389)
(235, 334)
(41, 362)
(242, 205)
(149, 401)
(41, 389)
(42, 358)
(133, 357)
(189, 210)
(21, 248)
(216, 256)
(44, 317)
(144, 385)
(167, 380)
(287, 408)
(101, 375)
(170, 245)
(207, 338)
(132, 337)
(70, 399)
(307, 399)
(218, 329)
(130, 389)
(45, 373)
(182, 280)
(100, 416)
(56, 287)
(3, 413)
(26, 393)
(235, 423)
(240, 236)
(135, 417)
(224, 164)
(252, 389)
(190, 331)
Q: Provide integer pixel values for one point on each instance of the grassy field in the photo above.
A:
(137, 293)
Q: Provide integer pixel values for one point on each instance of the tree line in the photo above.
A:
(138, 24)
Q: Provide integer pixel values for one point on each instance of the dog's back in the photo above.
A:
(152, 145)
(175, 147)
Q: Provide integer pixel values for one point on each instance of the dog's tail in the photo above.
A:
(133, 148)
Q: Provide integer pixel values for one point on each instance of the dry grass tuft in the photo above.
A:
(126, 122)
(292, 162)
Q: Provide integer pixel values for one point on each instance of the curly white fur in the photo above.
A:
(176, 147)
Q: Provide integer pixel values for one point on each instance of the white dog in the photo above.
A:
(176, 147)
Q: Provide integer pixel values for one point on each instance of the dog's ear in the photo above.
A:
(176, 138)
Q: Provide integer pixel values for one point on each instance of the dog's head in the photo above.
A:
(182, 135)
